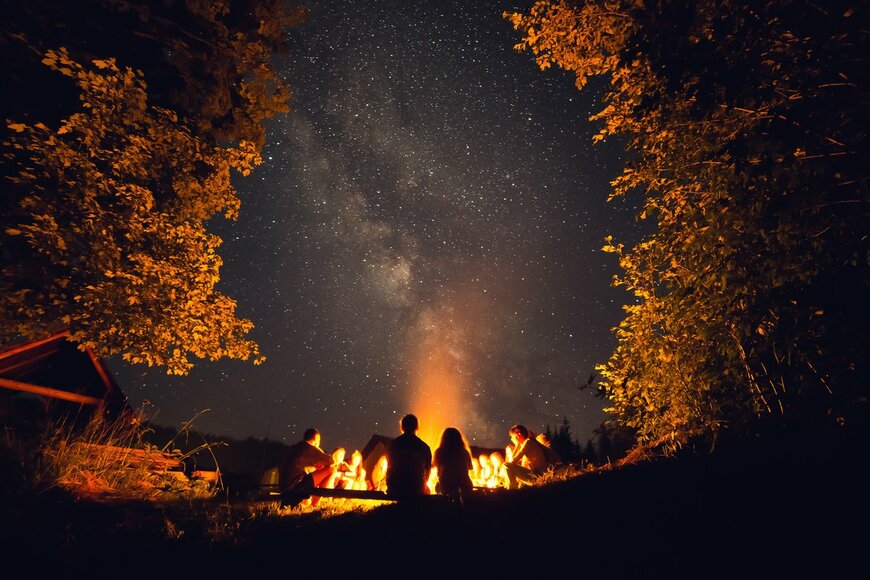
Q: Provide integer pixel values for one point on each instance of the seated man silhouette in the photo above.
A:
(409, 460)
(305, 467)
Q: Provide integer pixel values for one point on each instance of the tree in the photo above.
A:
(605, 451)
(589, 452)
(209, 61)
(743, 120)
(614, 441)
(103, 216)
(111, 210)
(563, 442)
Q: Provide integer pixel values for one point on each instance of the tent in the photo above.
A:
(373, 450)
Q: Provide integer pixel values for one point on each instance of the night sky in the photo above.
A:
(423, 236)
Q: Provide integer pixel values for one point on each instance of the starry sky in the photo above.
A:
(423, 236)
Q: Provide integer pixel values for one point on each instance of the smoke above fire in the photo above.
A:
(441, 384)
(436, 396)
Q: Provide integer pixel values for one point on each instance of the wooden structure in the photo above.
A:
(373, 450)
(54, 368)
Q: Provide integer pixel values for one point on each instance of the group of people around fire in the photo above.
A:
(410, 469)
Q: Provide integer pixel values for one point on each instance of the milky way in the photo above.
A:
(424, 236)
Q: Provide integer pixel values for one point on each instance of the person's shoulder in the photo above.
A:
(543, 448)
(293, 452)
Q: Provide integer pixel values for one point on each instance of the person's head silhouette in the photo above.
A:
(312, 436)
(451, 438)
(409, 423)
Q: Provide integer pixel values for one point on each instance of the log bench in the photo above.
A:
(293, 497)
(296, 496)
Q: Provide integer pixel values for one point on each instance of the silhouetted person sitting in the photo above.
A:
(529, 461)
(306, 466)
(409, 460)
(553, 457)
(453, 461)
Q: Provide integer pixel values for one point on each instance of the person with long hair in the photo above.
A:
(453, 461)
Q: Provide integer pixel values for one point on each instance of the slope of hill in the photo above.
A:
(794, 507)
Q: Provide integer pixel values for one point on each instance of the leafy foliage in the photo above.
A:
(103, 226)
(209, 61)
(744, 121)
(111, 210)
(218, 52)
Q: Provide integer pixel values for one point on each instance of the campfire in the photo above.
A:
(439, 401)
(487, 472)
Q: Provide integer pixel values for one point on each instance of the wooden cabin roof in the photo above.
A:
(56, 368)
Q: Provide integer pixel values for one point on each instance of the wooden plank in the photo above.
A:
(31, 359)
(13, 350)
(147, 458)
(107, 382)
(350, 493)
(50, 392)
(329, 492)
(294, 497)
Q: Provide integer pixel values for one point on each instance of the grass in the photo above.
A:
(747, 511)
(110, 460)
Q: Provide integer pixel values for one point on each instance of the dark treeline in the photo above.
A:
(611, 443)
(241, 461)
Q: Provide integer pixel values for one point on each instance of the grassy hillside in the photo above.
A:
(785, 506)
